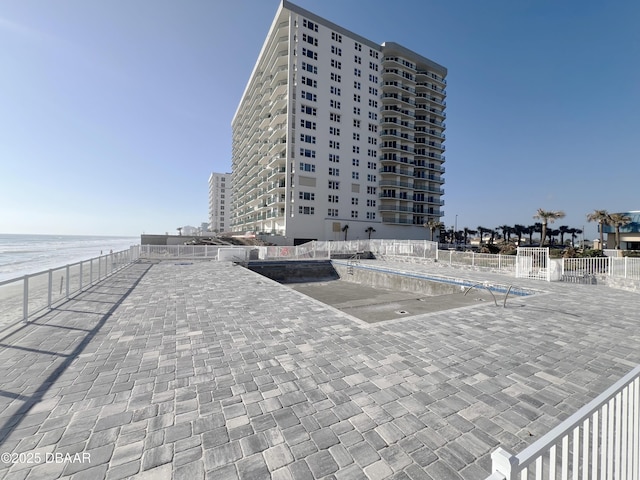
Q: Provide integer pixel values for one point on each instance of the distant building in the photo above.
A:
(220, 202)
(629, 234)
(337, 136)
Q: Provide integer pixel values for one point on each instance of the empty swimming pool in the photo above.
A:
(373, 293)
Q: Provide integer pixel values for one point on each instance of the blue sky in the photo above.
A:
(114, 113)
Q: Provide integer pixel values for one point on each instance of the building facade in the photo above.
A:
(337, 137)
(220, 196)
(629, 233)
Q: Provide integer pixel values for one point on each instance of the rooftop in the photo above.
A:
(208, 370)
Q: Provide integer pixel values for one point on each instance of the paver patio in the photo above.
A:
(208, 370)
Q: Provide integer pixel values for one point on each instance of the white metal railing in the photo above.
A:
(601, 440)
(473, 259)
(615, 267)
(533, 262)
(23, 297)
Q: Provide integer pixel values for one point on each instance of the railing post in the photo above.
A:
(67, 283)
(625, 266)
(473, 259)
(50, 288)
(90, 275)
(505, 464)
(25, 298)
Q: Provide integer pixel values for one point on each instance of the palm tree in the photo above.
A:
(618, 220)
(345, 229)
(506, 232)
(573, 232)
(179, 230)
(466, 234)
(602, 218)
(369, 231)
(481, 231)
(547, 216)
(563, 229)
(433, 224)
(520, 230)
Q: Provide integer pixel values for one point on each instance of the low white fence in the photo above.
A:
(483, 260)
(26, 296)
(601, 440)
(615, 267)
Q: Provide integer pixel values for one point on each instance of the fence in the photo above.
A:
(533, 262)
(24, 297)
(601, 440)
(615, 267)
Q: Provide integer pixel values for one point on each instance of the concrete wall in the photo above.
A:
(149, 239)
(392, 281)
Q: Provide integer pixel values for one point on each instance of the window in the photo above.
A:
(355, 175)
(334, 104)
(355, 162)
(307, 52)
(354, 200)
(307, 138)
(354, 214)
(334, 117)
(356, 136)
(306, 210)
(356, 98)
(372, 140)
(371, 215)
(358, 47)
(373, 91)
(333, 199)
(309, 24)
(373, 127)
(371, 190)
(356, 149)
(308, 124)
(334, 172)
(373, 66)
(372, 165)
(306, 196)
(336, 64)
(373, 115)
(307, 167)
(334, 158)
(371, 178)
(373, 103)
(308, 110)
(371, 203)
(335, 90)
(336, 51)
(334, 131)
(373, 53)
(357, 72)
(335, 77)
(356, 110)
(373, 79)
(372, 153)
(309, 67)
(308, 96)
(309, 82)
(334, 185)
(309, 39)
(336, 37)
(308, 153)
(334, 144)
(332, 212)
(356, 123)
(357, 59)
(356, 85)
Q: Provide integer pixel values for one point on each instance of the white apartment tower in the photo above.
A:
(337, 136)
(220, 202)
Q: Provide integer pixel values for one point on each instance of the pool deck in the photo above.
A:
(208, 370)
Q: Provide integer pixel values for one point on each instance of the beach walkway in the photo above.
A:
(173, 370)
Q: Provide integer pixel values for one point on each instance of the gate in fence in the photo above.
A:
(533, 262)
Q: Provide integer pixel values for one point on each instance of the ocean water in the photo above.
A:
(24, 254)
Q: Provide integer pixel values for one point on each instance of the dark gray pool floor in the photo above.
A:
(372, 304)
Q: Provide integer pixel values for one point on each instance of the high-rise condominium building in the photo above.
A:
(337, 136)
(220, 202)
